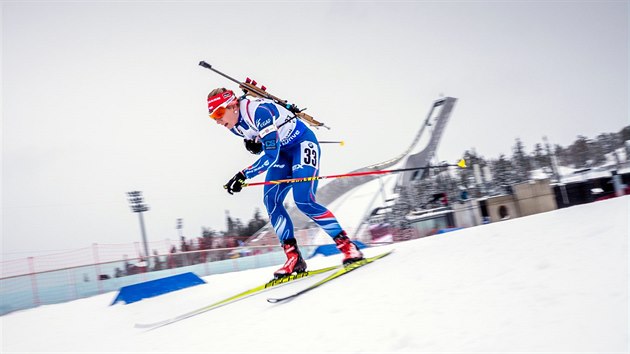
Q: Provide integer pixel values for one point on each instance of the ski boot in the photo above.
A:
(295, 263)
(350, 251)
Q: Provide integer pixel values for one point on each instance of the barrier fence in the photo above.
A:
(50, 279)
(101, 268)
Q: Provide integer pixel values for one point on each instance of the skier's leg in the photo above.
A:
(273, 197)
(306, 164)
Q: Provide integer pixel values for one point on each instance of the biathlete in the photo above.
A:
(290, 150)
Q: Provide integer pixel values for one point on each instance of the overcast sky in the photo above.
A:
(101, 98)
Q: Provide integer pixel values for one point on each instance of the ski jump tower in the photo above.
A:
(418, 154)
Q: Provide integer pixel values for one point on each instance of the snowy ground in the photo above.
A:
(552, 282)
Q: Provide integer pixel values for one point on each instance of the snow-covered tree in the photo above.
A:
(503, 172)
(520, 161)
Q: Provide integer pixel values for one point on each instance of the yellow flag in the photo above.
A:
(461, 163)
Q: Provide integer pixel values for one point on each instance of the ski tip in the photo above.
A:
(150, 326)
(272, 300)
(143, 325)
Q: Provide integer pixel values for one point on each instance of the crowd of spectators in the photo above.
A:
(211, 246)
(189, 252)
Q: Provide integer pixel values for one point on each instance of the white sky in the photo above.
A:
(546, 283)
(100, 98)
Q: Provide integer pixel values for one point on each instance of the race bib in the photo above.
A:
(309, 154)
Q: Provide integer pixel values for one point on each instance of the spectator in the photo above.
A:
(170, 260)
(157, 262)
(128, 267)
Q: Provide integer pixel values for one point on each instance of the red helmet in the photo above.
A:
(218, 103)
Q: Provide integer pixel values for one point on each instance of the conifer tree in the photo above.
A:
(520, 162)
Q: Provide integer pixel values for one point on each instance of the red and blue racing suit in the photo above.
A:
(291, 150)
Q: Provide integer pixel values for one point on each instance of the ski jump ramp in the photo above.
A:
(373, 190)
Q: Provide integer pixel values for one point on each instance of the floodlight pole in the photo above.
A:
(138, 206)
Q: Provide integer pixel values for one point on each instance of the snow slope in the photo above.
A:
(551, 282)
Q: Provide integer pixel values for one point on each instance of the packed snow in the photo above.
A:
(551, 282)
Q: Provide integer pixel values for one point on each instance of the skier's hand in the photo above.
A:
(235, 184)
(253, 146)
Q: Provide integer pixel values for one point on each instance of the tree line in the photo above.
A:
(444, 186)
(236, 227)
(583, 153)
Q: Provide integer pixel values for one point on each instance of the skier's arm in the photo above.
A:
(264, 118)
(236, 132)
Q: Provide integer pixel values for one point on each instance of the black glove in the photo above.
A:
(235, 184)
(253, 146)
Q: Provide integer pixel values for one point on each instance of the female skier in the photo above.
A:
(290, 150)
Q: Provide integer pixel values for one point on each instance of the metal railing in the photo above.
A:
(49, 285)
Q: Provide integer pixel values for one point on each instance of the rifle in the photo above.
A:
(250, 88)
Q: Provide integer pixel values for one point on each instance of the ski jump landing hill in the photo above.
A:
(372, 191)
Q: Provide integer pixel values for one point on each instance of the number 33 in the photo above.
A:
(310, 157)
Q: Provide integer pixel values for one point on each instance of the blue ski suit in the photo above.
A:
(291, 150)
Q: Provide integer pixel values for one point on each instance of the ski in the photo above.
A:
(343, 271)
(258, 289)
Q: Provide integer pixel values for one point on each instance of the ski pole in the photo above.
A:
(341, 143)
(461, 164)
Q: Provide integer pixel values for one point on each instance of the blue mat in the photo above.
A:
(443, 231)
(329, 250)
(137, 292)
